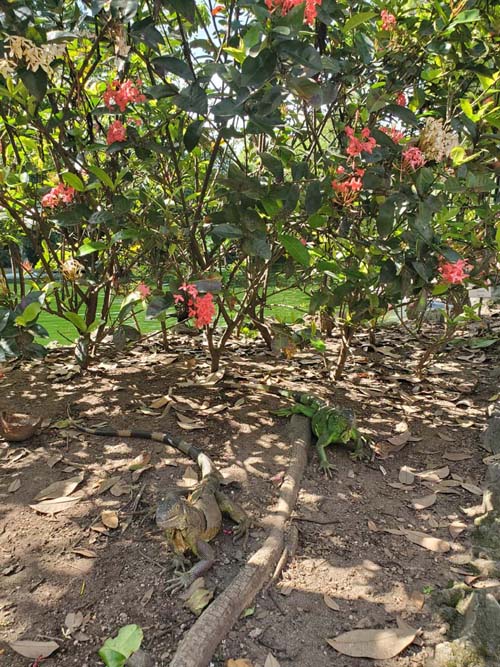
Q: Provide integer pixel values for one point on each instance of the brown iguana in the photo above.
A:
(189, 523)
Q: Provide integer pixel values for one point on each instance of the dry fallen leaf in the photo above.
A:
(187, 423)
(14, 486)
(199, 600)
(417, 599)
(86, 553)
(400, 439)
(427, 541)
(271, 661)
(106, 484)
(376, 644)
(472, 488)
(434, 475)
(51, 462)
(239, 662)
(32, 649)
(110, 518)
(456, 456)
(121, 488)
(422, 503)
(73, 620)
(56, 505)
(140, 461)
(197, 583)
(189, 479)
(372, 526)
(160, 402)
(456, 527)
(406, 475)
(60, 489)
(330, 603)
(147, 596)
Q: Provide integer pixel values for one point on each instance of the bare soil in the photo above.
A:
(69, 562)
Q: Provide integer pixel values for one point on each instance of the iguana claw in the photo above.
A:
(327, 468)
(179, 562)
(182, 580)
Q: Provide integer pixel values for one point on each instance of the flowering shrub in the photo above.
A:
(388, 20)
(116, 132)
(61, 194)
(356, 145)
(122, 94)
(454, 272)
(413, 158)
(200, 308)
(286, 5)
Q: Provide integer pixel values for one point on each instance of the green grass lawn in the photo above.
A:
(287, 306)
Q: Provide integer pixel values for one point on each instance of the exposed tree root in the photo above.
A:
(200, 642)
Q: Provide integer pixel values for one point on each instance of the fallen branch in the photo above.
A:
(200, 642)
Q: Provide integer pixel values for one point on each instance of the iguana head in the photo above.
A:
(171, 513)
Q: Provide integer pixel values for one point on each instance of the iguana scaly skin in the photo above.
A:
(330, 424)
(189, 523)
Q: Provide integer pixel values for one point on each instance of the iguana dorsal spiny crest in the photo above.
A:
(189, 523)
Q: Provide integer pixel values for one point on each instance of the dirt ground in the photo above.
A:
(361, 561)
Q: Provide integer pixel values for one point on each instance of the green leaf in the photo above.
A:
(158, 306)
(385, 219)
(169, 64)
(300, 53)
(77, 321)
(192, 98)
(29, 314)
(35, 82)
(192, 135)
(116, 650)
(313, 198)
(296, 249)
(73, 181)
(403, 113)
(467, 16)
(186, 8)
(358, 19)
(257, 246)
(102, 176)
(273, 164)
(256, 71)
(478, 343)
(227, 231)
(89, 247)
(4, 318)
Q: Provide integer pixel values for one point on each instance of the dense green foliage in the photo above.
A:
(357, 153)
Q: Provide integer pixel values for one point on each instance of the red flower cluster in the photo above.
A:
(200, 307)
(143, 290)
(116, 132)
(393, 133)
(121, 94)
(401, 100)
(216, 10)
(357, 146)
(61, 194)
(388, 20)
(413, 158)
(453, 272)
(346, 191)
(285, 6)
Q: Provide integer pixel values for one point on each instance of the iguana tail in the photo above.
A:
(204, 462)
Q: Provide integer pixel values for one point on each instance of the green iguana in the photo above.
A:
(330, 424)
(189, 523)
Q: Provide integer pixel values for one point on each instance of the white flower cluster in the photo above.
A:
(34, 56)
(436, 142)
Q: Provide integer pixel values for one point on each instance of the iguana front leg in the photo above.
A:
(324, 464)
(237, 514)
(185, 579)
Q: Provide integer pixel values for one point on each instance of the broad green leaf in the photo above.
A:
(467, 16)
(313, 198)
(296, 249)
(227, 231)
(170, 65)
(157, 307)
(35, 82)
(29, 314)
(193, 134)
(89, 247)
(77, 321)
(358, 19)
(73, 181)
(101, 175)
(127, 641)
(186, 8)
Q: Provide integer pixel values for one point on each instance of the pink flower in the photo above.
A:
(453, 272)
(388, 20)
(204, 310)
(121, 94)
(116, 132)
(393, 133)
(413, 158)
(61, 194)
(285, 6)
(357, 146)
(27, 266)
(201, 308)
(303, 241)
(143, 290)
(346, 190)
(401, 100)
(340, 169)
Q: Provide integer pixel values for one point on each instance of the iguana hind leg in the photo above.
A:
(237, 514)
